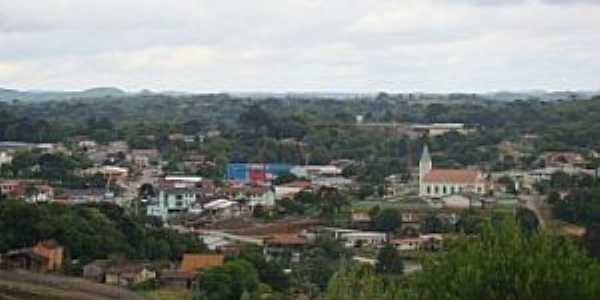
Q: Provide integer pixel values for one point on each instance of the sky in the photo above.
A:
(300, 45)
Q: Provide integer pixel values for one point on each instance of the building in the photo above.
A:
(290, 189)
(96, 270)
(128, 275)
(224, 209)
(197, 262)
(46, 256)
(5, 158)
(363, 239)
(143, 158)
(437, 129)
(284, 245)
(41, 193)
(173, 200)
(12, 188)
(429, 242)
(437, 183)
(188, 271)
(563, 159)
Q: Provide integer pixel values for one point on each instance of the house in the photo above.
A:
(174, 279)
(426, 242)
(406, 244)
(311, 171)
(332, 181)
(457, 201)
(253, 195)
(196, 262)
(289, 190)
(173, 200)
(333, 233)
(77, 196)
(188, 271)
(224, 209)
(437, 183)
(42, 193)
(563, 159)
(394, 185)
(194, 162)
(96, 270)
(87, 145)
(278, 245)
(142, 158)
(45, 256)
(127, 275)
(364, 239)
(437, 129)
(5, 158)
(12, 188)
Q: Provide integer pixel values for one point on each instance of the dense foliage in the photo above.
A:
(89, 231)
(502, 263)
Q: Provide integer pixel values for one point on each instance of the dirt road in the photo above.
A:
(22, 285)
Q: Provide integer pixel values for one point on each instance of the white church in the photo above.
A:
(438, 183)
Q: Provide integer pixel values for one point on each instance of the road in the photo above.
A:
(131, 192)
(537, 205)
(25, 285)
(217, 233)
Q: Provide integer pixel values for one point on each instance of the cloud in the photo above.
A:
(349, 45)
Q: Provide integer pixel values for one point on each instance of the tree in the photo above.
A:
(227, 282)
(360, 282)
(433, 224)
(527, 220)
(388, 220)
(269, 272)
(389, 261)
(504, 263)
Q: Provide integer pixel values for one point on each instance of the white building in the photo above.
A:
(363, 239)
(172, 201)
(5, 158)
(438, 183)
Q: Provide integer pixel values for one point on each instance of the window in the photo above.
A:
(437, 189)
(453, 189)
(179, 197)
(445, 190)
(428, 189)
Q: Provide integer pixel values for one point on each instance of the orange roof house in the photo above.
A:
(195, 262)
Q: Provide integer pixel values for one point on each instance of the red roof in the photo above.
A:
(285, 239)
(452, 176)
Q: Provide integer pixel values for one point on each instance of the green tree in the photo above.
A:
(389, 261)
(360, 282)
(504, 263)
(388, 220)
(227, 282)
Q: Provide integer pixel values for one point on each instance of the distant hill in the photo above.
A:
(37, 96)
(540, 95)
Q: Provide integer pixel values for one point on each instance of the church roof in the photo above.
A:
(452, 176)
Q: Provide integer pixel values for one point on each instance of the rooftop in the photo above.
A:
(193, 262)
(452, 176)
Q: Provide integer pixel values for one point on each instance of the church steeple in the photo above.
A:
(425, 164)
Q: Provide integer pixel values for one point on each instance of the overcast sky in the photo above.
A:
(300, 45)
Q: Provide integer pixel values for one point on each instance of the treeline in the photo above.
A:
(93, 231)
(503, 262)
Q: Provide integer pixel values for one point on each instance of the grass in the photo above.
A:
(168, 295)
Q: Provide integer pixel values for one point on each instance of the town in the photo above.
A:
(184, 208)
(299, 150)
